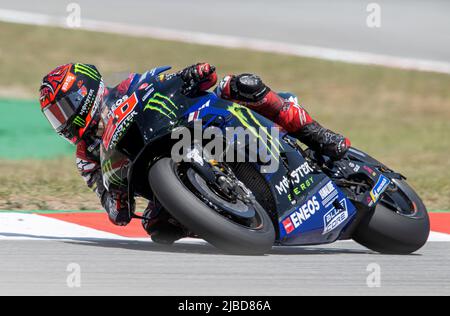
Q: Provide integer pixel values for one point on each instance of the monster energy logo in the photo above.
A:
(163, 105)
(79, 121)
(248, 120)
(108, 172)
(87, 71)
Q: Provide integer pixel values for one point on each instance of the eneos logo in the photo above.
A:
(303, 214)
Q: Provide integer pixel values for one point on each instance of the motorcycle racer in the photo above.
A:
(72, 97)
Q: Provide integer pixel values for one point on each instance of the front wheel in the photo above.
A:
(399, 225)
(186, 196)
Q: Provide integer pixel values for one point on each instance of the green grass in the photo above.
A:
(28, 136)
(400, 117)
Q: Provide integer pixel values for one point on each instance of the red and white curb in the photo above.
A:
(85, 226)
(17, 226)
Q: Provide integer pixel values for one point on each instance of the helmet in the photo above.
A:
(70, 98)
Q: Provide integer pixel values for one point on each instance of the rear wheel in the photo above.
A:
(235, 226)
(399, 225)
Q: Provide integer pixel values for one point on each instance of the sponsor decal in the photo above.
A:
(152, 72)
(163, 105)
(68, 83)
(303, 214)
(328, 194)
(118, 123)
(87, 103)
(87, 71)
(83, 91)
(299, 189)
(368, 169)
(109, 173)
(150, 91)
(295, 180)
(79, 121)
(195, 115)
(168, 77)
(250, 122)
(143, 86)
(335, 217)
(354, 166)
(122, 128)
(328, 210)
(98, 98)
(288, 225)
(379, 188)
(327, 190)
(119, 102)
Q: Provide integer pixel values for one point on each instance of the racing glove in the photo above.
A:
(199, 77)
(116, 205)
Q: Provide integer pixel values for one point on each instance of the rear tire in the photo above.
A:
(389, 232)
(194, 214)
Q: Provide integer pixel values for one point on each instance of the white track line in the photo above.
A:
(16, 226)
(354, 57)
(33, 226)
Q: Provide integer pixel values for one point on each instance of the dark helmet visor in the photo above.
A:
(59, 113)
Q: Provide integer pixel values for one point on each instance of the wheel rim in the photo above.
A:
(216, 202)
(398, 201)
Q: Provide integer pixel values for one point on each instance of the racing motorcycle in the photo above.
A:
(309, 200)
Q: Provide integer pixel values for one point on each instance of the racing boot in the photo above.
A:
(161, 226)
(324, 141)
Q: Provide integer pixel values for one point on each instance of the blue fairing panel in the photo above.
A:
(320, 219)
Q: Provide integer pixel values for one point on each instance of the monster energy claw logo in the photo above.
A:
(109, 172)
(87, 71)
(247, 119)
(163, 105)
(79, 121)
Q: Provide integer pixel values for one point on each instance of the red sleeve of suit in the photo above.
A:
(288, 114)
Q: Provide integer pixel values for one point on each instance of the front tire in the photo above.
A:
(389, 232)
(199, 218)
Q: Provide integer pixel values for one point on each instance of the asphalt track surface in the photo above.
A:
(143, 268)
(409, 28)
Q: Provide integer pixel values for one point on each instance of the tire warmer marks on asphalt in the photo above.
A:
(86, 225)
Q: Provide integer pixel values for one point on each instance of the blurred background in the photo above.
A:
(378, 72)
